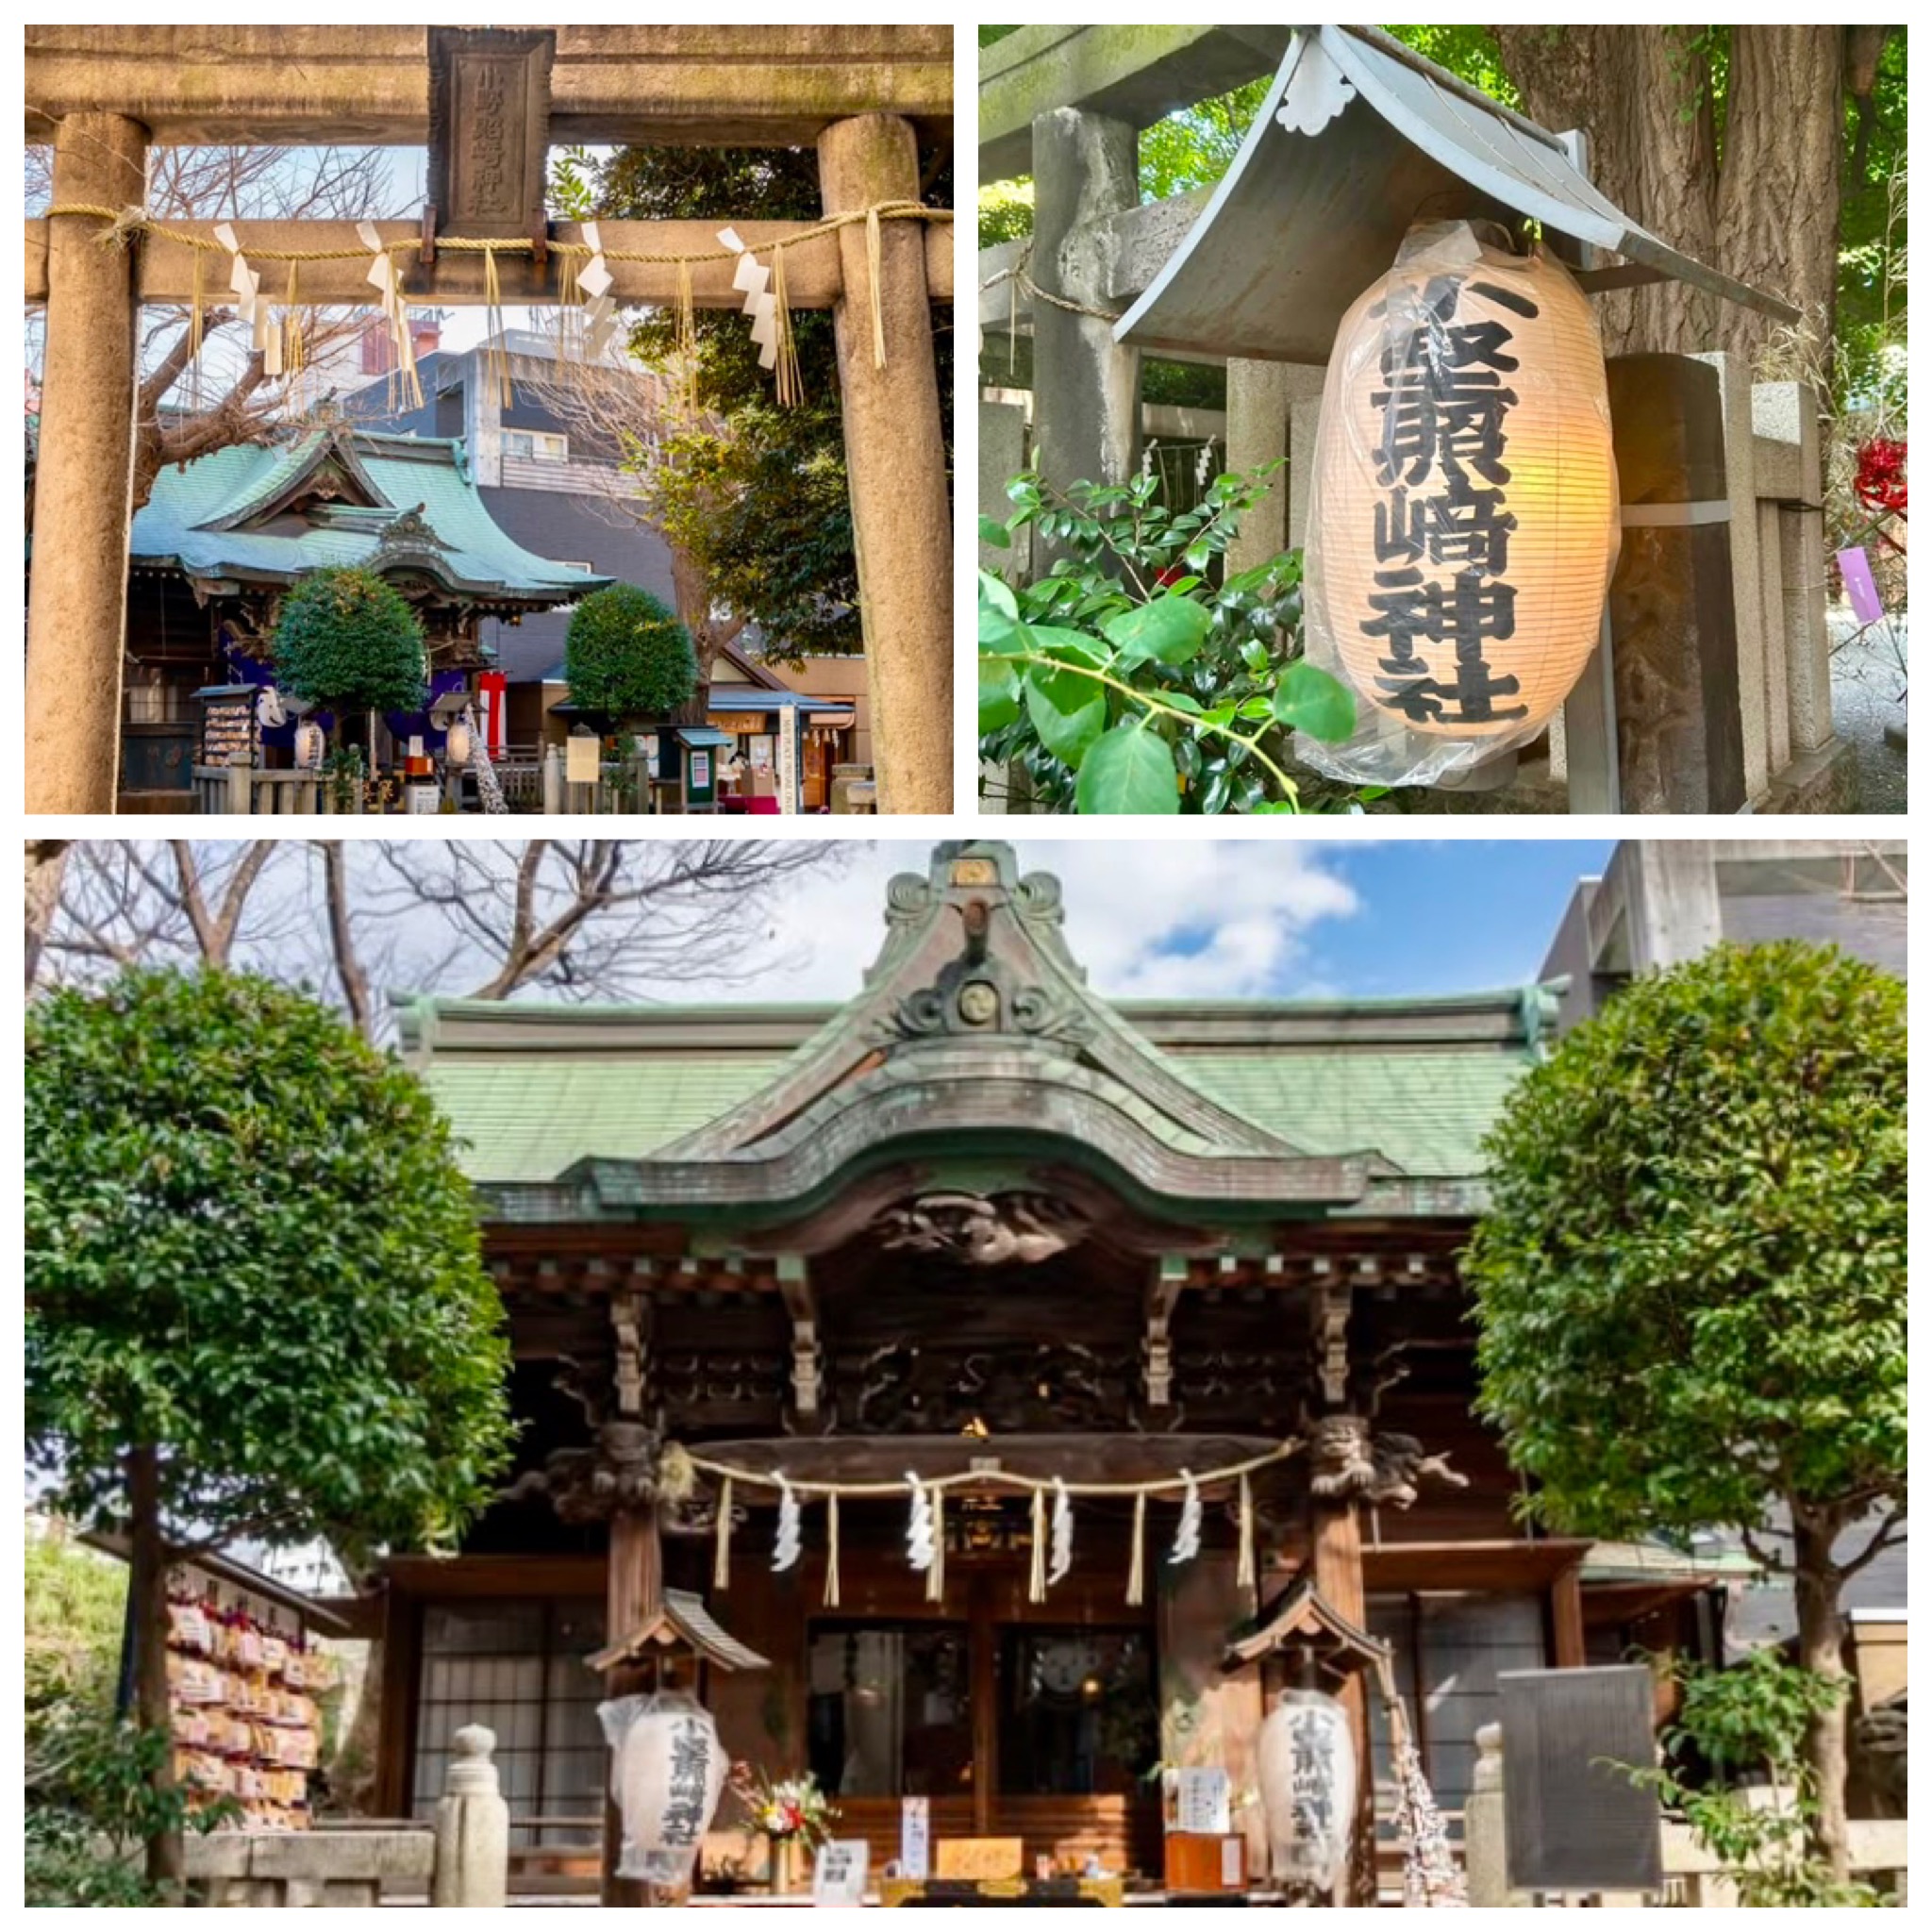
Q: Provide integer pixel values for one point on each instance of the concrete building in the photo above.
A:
(1664, 901)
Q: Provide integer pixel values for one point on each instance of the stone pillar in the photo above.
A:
(1485, 1858)
(895, 464)
(83, 485)
(1263, 398)
(1786, 412)
(1747, 589)
(1672, 614)
(1085, 388)
(633, 1589)
(472, 1826)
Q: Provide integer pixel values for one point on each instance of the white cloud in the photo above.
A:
(1147, 918)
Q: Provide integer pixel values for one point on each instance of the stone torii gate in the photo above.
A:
(102, 95)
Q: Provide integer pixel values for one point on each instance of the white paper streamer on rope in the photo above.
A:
(1186, 1535)
(1061, 1560)
(600, 309)
(243, 283)
(752, 279)
(919, 1542)
(785, 1551)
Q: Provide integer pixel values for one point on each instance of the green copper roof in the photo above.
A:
(385, 502)
(530, 1113)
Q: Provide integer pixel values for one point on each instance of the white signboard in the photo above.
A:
(838, 1878)
(915, 1838)
(1200, 1800)
(788, 758)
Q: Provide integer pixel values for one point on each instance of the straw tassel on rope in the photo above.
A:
(497, 374)
(1244, 1565)
(720, 1558)
(936, 1576)
(875, 273)
(791, 390)
(1036, 1583)
(832, 1551)
(687, 343)
(1137, 1559)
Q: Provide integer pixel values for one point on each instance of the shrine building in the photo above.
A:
(979, 1233)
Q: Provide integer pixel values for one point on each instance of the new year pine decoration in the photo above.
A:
(1464, 520)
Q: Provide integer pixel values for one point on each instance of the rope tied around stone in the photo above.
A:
(1023, 283)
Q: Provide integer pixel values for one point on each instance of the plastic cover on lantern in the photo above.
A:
(1463, 513)
(1306, 1758)
(667, 1772)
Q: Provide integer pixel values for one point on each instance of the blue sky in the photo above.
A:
(1228, 918)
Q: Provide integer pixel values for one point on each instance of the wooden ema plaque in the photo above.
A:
(227, 725)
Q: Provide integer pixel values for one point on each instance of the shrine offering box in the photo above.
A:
(1207, 1862)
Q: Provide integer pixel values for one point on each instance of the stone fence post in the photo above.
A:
(472, 1826)
(1484, 1853)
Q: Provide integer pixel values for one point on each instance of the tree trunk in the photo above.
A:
(1766, 210)
(46, 860)
(147, 1604)
(1816, 1580)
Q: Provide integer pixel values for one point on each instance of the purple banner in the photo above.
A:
(1855, 567)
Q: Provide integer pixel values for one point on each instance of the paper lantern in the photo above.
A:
(310, 746)
(667, 1772)
(1307, 1780)
(457, 746)
(1463, 521)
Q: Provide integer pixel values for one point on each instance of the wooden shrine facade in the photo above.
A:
(980, 1228)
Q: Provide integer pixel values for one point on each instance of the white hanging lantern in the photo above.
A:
(667, 1772)
(1463, 521)
(310, 746)
(457, 746)
(1308, 1778)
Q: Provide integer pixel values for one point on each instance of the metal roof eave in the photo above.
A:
(1302, 222)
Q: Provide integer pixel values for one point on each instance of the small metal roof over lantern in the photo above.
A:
(1357, 139)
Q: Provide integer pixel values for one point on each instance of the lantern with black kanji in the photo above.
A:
(1463, 521)
(667, 1774)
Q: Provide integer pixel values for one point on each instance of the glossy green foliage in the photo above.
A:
(347, 640)
(626, 656)
(249, 1245)
(1691, 1280)
(1127, 679)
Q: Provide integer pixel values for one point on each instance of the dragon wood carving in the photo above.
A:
(1348, 1461)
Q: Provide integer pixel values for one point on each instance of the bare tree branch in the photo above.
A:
(349, 973)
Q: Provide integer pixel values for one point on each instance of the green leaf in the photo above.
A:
(993, 534)
(999, 694)
(1068, 711)
(1129, 770)
(1055, 640)
(1181, 702)
(999, 616)
(1170, 630)
(1308, 699)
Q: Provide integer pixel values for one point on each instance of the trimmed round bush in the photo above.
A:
(348, 641)
(626, 656)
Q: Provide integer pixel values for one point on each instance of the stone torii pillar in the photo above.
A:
(895, 465)
(84, 479)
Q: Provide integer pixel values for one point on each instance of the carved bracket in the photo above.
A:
(1348, 1462)
(986, 1231)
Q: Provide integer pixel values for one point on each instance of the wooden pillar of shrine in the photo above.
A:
(1336, 1536)
(895, 462)
(633, 1591)
(83, 483)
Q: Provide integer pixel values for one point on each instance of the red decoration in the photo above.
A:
(1880, 485)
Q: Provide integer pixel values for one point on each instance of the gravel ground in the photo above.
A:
(1866, 687)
